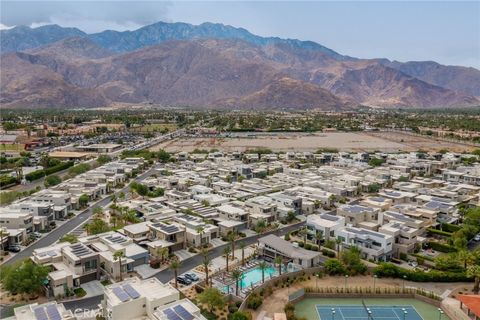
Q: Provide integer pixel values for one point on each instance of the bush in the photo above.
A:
(441, 247)
(334, 267)
(52, 180)
(6, 180)
(448, 227)
(254, 301)
(403, 256)
(308, 246)
(301, 244)
(439, 232)
(388, 270)
(48, 171)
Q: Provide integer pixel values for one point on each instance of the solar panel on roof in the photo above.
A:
(40, 313)
(120, 294)
(131, 291)
(53, 313)
(183, 313)
(171, 315)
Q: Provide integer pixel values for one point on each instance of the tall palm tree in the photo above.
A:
(278, 261)
(201, 231)
(474, 272)
(338, 241)
(242, 246)
(206, 261)
(174, 266)
(466, 257)
(319, 237)
(118, 256)
(263, 266)
(232, 237)
(304, 233)
(226, 253)
(3, 233)
(237, 276)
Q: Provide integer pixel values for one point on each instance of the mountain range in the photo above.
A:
(212, 65)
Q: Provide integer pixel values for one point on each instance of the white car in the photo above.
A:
(477, 237)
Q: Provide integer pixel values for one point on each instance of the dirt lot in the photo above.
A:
(343, 141)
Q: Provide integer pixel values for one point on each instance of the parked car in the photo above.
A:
(37, 234)
(477, 237)
(14, 248)
(191, 276)
(183, 280)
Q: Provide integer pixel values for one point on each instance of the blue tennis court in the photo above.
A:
(360, 312)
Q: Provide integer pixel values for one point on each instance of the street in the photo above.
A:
(71, 224)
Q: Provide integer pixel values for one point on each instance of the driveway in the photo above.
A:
(92, 288)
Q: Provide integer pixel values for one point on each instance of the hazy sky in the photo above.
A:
(447, 32)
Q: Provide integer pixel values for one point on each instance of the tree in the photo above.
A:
(232, 237)
(460, 243)
(52, 180)
(290, 216)
(97, 226)
(23, 277)
(465, 257)
(200, 230)
(375, 162)
(263, 266)
(334, 267)
(338, 241)
(242, 247)
(319, 237)
(130, 216)
(118, 256)
(474, 272)
(174, 266)
(83, 200)
(206, 261)
(240, 315)
(71, 238)
(373, 188)
(163, 156)
(3, 233)
(226, 253)
(278, 261)
(102, 159)
(212, 297)
(97, 212)
(237, 276)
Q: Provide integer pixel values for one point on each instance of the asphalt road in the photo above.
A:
(186, 265)
(71, 224)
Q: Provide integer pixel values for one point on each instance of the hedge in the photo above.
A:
(448, 227)
(441, 247)
(6, 180)
(439, 232)
(390, 270)
(45, 172)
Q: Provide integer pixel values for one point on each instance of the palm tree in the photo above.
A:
(175, 265)
(466, 257)
(304, 233)
(242, 246)
(338, 241)
(206, 264)
(278, 261)
(319, 237)
(118, 256)
(163, 253)
(226, 253)
(200, 230)
(474, 272)
(263, 266)
(237, 276)
(231, 238)
(3, 233)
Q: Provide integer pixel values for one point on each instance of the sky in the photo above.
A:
(444, 31)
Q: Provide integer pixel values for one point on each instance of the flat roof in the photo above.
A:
(67, 154)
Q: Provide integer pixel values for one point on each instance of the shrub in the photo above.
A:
(441, 247)
(334, 267)
(403, 256)
(389, 270)
(254, 301)
(301, 244)
(308, 246)
(439, 232)
(6, 180)
(448, 227)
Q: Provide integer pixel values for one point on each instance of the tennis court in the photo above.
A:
(363, 312)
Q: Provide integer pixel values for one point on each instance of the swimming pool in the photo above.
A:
(253, 276)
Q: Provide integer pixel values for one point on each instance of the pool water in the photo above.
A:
(253, 276)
